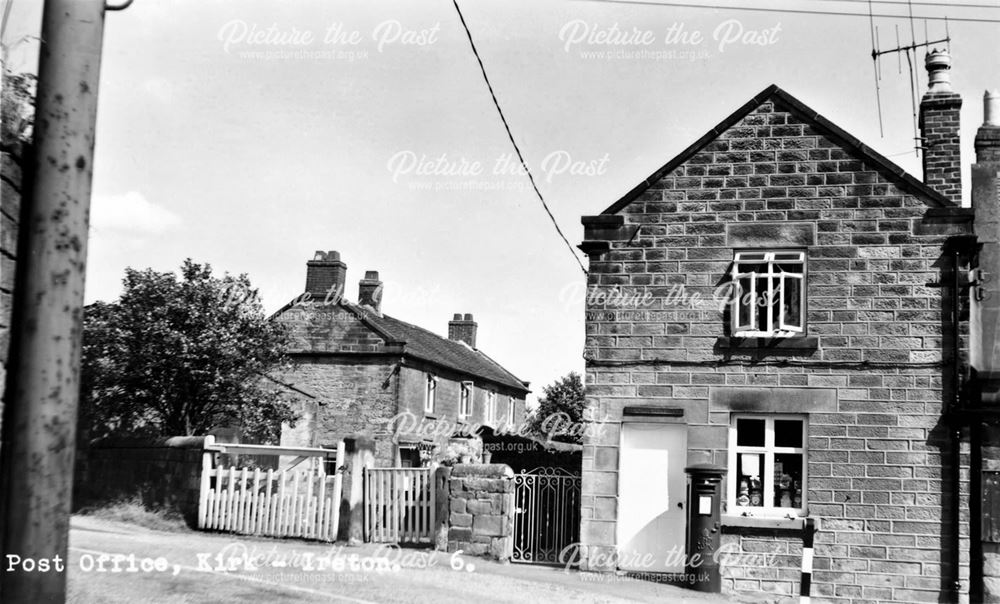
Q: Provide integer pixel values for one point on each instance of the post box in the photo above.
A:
(704, 527)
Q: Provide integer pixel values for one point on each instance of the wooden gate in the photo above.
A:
(399, 505)
(289, 502)
(547, 515)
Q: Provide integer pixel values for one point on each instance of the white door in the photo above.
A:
(652, 494)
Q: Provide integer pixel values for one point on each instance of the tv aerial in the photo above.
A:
(910, 51)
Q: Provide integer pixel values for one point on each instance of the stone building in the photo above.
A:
(357, 368)
(783, 302)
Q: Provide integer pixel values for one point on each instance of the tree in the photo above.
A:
(180, 357)
(559, 414)
(17, 107)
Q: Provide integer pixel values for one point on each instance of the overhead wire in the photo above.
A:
(513, 142)
(825, 13)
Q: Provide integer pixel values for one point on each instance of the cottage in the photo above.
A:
(818, 359)
(358, 370)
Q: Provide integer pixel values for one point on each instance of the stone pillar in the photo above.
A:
(442, 511)
(481, 504)
(359, 453)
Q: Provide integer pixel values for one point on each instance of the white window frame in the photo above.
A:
(511, 410)
(767, 453)
(465, 399)
(430, 393)
(491, 407)
(769, 258)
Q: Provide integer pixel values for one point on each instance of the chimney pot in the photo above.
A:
(991, 108)
(938, 64)
(457, 317)
(468, 317)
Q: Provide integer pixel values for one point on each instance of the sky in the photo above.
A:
(248, 134)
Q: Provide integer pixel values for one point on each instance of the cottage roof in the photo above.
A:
(428, 346)
(419, 343)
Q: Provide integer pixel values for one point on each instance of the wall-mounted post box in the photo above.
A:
(704, 527)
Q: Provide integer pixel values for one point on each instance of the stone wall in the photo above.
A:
(481, 511)
(162, 474)
(871, 375)
(448, 394)
(351, 398)
(10, 208)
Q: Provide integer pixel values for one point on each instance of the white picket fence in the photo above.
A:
(399, 505)
(273, 503)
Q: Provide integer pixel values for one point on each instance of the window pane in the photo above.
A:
(792, 300)
(744, 304)
(787, 433)
(773, 300)
(794, 268)
(750, 488)
(750, 432)
(785, 256)
(761, 297)
(788, 480)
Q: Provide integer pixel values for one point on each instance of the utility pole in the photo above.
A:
(36, 482)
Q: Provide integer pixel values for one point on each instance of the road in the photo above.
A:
(189, 567)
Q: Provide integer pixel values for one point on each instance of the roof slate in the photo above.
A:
(429, 346)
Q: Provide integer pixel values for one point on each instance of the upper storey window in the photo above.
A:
(769, 293)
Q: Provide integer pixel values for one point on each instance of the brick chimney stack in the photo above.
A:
(939, 129)
(370, 291)
(988, 136)
(326, 273)
(984, 347)
(463, 329)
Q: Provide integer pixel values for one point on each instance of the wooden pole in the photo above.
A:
(44, 382)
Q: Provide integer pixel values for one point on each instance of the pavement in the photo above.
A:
(115, 562)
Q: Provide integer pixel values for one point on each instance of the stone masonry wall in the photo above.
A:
(10, 208)
(162, 474)
(447, 397)
(880, 474)
(481, 504)
(351, 398)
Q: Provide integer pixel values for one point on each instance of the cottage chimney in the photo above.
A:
(984, 348)
(325, 273)
(939, 121)
(370, 291)
(463, 329)
(988, 136)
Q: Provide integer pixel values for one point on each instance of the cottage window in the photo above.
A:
(767, 465)
(768, 293)
(430, 393)
(491, 407)
(511, 411)
(465, 401)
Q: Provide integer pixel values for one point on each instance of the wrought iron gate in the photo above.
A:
(547, 515)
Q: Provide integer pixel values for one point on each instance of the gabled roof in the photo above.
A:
(893, 172)
(428, 346)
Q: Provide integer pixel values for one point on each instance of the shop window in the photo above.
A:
(767, 465)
